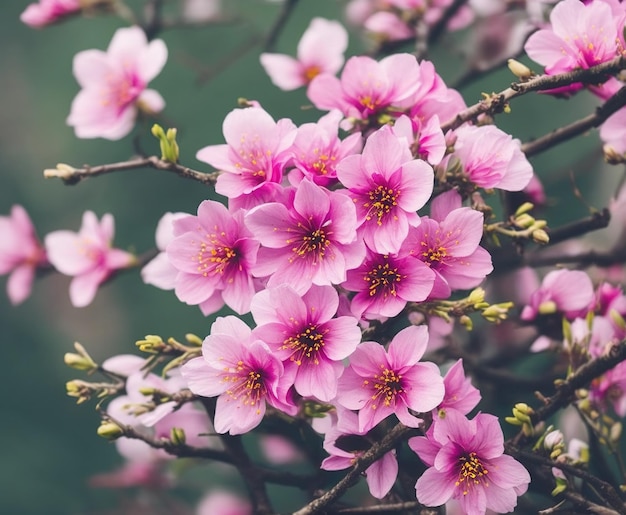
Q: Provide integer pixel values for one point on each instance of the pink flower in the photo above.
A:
(466, 463)
(387, 186)
(449, 244)
(301, 331)
(345, 442)
(613, 133)
(114, 85)
(491, 158)
(87, 256)
(255, 152)
(381, 383)
(242, 372)
(320, 50)
(581, 35)
(159, 271)
(426, 139)
(385, 283)
(21, 253)
(367, 87)
(317, 150)
(47, 12)
(214, 256)
(219, 502)
(567, 291)
(460, 394)
(311, 240)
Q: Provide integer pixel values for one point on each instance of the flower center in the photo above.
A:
(311, 72)
(247, 385)
(471, 472)
(214, 257)
(306, 345)
(312, 243)
(382, 200)
(369, 102)
(383, 279)
(387, 385)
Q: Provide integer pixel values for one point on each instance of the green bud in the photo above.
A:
(513, 421)
(520, 70)
(567, 330)
(167, 142)
(193, 339)
(177, 436)
(110, 430)
(78, 362)
(466, 322)
(151, 343)
(477, 296)
(524, 221)
(524, 208)
(615, 432)
(617, 319)
(561, 486)
(540, 236)
(547, 307)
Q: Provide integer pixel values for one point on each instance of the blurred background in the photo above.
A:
(49, 445)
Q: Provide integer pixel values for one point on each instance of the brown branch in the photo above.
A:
(496, 102)
(439, 28)
(360, 465)
(561, 134)
(384, 508)
(279, 24)
(609, 495)
(70, 175)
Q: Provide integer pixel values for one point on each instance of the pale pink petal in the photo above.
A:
(284, 71)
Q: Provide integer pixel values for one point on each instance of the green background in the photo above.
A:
(49, 446)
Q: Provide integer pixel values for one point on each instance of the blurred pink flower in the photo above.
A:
(21, 253)
(114, 85)
(320, 50)
(87, 256)
(46, 12)
(218, 502)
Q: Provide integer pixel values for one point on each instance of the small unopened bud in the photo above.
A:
(561, 485)
(547, 307)
(524, 221)
(617, 319)
(78, 362)
(477, 296)
(524, 208)
(152, 344)
(193, 339)
(110, 430)
(466, 322)
(553, 439)
(167, 142)
(177, 436)
(540, 236)
(616, 432)
(521, 71)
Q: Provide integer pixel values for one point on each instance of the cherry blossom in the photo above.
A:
(466, 462)
(46, 12)
(380, 382)
(21, 253)
(87, 256)
(115, 85)
(320, 50)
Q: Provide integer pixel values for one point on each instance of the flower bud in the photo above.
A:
(540, 236)
(547, 307)
(524, 208)
(177, 436)
(167, 141)
(110, 430)
(524, 221)
(78, 362)
(521, 71)
(193, 339)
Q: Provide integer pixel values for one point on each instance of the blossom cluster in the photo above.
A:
(342, 248)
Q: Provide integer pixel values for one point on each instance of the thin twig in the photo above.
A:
(279, 24)
(70, 175)
(360, 465)
(561, 134)
(496, 102)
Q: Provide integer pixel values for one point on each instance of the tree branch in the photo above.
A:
(70, 175)
(496, 102)
(561, 134)
(360, 465)
(279, 24)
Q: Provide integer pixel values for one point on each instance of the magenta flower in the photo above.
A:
(367, 87)
(21, 253)
(317, 150)
(114, 85)
(387, 186)
(255, 152)
(311, 240)
(581, 35)
(320, 50)
(567, 291)
(87, 256)
(381, 383)
(491, 158)
(213, 256)
(426, 139)
(449, 244)
(46, 12)
(466, 462)
(385, 283)
(159, 271)
(301, 331)
(460, 394)
(344, 442)
(242, 372)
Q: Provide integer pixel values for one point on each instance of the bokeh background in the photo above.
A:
(49, 448)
